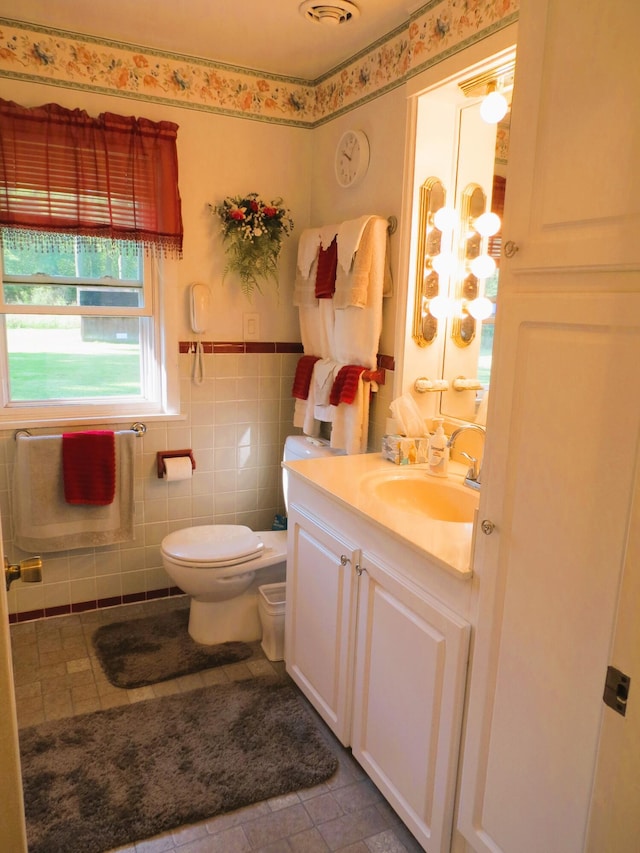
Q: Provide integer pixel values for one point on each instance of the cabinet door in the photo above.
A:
(573, 183)
(559, 487)
(320, 619)
(411, 659)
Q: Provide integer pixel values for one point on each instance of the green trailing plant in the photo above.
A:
(253, 231)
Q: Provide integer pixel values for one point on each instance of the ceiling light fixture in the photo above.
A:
(332, 14)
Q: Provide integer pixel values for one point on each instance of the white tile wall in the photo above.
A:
(235, 422)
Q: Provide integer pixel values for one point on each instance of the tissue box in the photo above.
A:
(405, 451)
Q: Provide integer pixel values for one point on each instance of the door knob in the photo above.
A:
(487, 527)
(510, 248)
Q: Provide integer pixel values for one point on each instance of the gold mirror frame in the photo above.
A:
(474, 204)
(432, 198)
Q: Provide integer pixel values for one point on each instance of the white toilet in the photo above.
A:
(221, 565)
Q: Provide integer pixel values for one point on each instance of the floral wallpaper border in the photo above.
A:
(437, 30)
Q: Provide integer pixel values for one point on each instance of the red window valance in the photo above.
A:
(64, 172)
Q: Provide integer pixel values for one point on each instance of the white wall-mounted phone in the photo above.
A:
(199, 299)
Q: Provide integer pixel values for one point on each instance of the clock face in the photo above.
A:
(352, 158)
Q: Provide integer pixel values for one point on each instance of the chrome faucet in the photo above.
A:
(474, 473)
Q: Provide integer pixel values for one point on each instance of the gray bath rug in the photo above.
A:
(101, 780)
(144, 651)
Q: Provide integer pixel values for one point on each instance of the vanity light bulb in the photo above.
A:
(445, 219)
(493, 108)
(439, 307)
(483, 266)
(442, 264)
(480, 308)
(488, 224)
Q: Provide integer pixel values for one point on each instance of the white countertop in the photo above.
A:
(348, 480)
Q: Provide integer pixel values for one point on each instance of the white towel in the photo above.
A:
(369, 277)
(304, 289)
(349, 235)
(327, 233)
(350, 429)
(308, 247)
(316, 328)
(44, 521)
(324, 374)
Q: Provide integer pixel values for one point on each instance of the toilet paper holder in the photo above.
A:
(161, 455)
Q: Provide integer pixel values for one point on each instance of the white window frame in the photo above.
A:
(159, 363)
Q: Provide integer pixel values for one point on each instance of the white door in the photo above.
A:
(562, 447)
(411, 663)
(615, 813)
(11, 804)
(320, 619)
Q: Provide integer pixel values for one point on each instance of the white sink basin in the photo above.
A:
(416, 492)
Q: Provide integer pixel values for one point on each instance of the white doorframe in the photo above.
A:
(11, 803)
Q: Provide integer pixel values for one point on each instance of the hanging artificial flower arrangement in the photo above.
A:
(253, 231)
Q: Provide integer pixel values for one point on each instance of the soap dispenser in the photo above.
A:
(438, 464)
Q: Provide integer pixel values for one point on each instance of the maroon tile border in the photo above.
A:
(98, 604)
(385, 362)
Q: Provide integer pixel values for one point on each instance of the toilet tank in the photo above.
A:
(304, 447)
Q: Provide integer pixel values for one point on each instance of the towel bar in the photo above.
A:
(138, 428)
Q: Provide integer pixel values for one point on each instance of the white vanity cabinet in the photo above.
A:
(381, 659)
(320, 619)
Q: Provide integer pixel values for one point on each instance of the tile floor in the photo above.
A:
(57, 675)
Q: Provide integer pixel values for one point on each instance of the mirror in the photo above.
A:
(468, 342)
(447, 335)
(432, 200)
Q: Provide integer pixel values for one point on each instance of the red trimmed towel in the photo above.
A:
(302, 379)
(345, 385)
(89, 467)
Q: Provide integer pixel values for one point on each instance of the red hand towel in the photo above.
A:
(326, 271)
(89, 467)
(302, 379)
(345, 385)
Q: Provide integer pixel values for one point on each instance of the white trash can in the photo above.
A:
(271, 604)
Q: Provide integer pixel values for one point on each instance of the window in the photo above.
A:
(89, 215)
(76, 324)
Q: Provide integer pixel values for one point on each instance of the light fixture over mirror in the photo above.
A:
(433, 264)
(476, 224)
(495, 87)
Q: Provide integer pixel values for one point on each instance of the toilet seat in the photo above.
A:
(213, 545)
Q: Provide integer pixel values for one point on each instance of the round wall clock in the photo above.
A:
(352, 158)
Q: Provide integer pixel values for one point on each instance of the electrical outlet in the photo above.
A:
(251, 327)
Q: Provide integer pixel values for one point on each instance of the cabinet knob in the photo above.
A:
(487, 527)
(344, 560)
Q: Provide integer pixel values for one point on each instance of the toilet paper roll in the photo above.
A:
(178, 468)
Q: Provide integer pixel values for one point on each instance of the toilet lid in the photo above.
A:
(213, 544)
